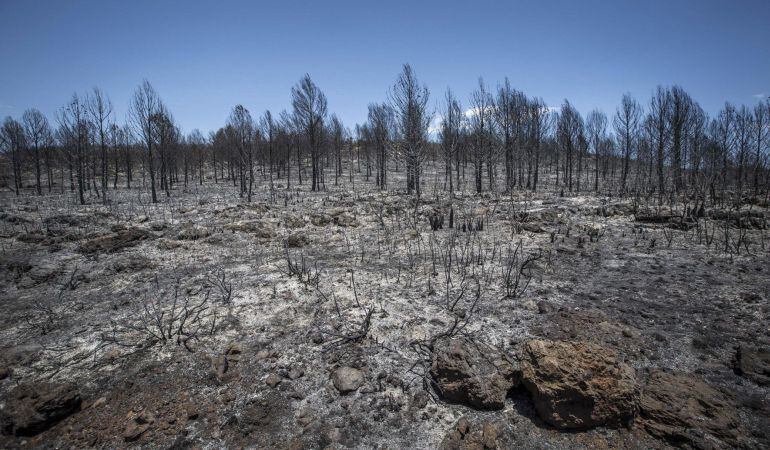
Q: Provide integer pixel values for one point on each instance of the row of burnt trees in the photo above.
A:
(669, 148)
(88, 151)
(500, 141)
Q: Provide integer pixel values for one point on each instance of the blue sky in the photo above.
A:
(205, 57)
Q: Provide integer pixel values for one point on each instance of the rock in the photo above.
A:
(98, 402)
(577, 385)
(347, 379)
(295, 221)
(190, 232)
(753, 363)
(138, 423)
(295, 373)
(467, 436)
(233, 352)
(532, 227)
(5, 372)
(544, 307)
(131, 263)
(191, 410)
(528, 305)
(489, 433)
(296, 240)
(463, 426)
(320, 220)
(472, 374)
(157, 226)
(686, 411)
(44, 272)
(272, 380)
(345, 220)
(166, 244)
(220, 365)
(333, 435)
(420, 400)
(35, 407)
(111, 243)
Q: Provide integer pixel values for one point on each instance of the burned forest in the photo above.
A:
(470, 268)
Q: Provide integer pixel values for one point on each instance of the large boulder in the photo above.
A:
(472, 374)
(686, 411)
(578, 385)
(753, 363)
(35, 407)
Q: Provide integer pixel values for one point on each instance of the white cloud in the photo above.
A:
(760, 96)
(435, 125)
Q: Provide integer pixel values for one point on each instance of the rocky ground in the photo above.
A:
(341, 319)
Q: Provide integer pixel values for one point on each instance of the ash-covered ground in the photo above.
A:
(342, 319)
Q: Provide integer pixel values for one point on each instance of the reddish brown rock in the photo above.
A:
(686, 411)
(577, 385)
(472, 374)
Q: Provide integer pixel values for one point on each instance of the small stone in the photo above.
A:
(233, 352)
(219, 366)
(296, 240)
(626, 332)
(347, 379)
(99, 402)
(463, 426)
(543, 307)
(490, 435)
(137, 425)
(334, 435)
(296, 372)
(191, 409)
(420, 400)
(273, 380)
(528, 305)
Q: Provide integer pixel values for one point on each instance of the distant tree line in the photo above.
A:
(502, 141)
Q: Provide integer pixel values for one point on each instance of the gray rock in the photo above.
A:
(544, 307)
(347, 379)
(272, 380)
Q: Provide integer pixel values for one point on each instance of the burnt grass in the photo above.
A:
(260, 376)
